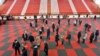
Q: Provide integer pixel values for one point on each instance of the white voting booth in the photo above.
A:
(55, 16)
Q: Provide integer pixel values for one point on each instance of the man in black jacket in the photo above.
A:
(42, 28)
(79, 36)
(25, 36)
(86, 26)
(48, 33)
(59, 21)
(46, 21)
(46, 48)
(57, 39)
(68, 21)
(53, 27)
(91, 37)
(35, 50)
(89, 27)
(96, 35)
(57, 30)
(35, 19)
(69, 37)
(80, 22)
(16, 47)
(40, 31)
(24, 52)
(31, 38)
(31, 24)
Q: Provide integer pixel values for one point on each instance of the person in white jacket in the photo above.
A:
(75, 22)
(84, 37)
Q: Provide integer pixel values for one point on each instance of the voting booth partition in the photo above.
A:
(55, 16)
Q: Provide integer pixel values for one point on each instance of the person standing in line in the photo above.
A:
(86, 26)
(42, 28)
(91, 37)
(53, 27)
(40, 31)
(68, 21)
(16, 47)
(37, 41)
(31, 24)
(57, 39)
(35, 19)
(89, 27)
(62, 39)
(31, 38)
(25, 36)
(59, 21)
(57, 30)
(35, 50)
(47, 16)
(58, 16)
(48, 33)
(84, 38)
(96, 35)
(64, 16)
(79, 36)
(80, 22)
(46, 48)
(46, 21)
(25, 18)
(69, 37)
(24, 52)
(74, 22)
(95, 17)
(42, 18)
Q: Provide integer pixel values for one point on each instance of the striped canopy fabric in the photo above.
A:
(31, 7)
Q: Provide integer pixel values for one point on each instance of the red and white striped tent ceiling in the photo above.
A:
(31, 7)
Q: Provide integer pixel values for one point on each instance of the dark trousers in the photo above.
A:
(46, 52)
(75, 24)
(62, 41)
(57, 32)
(43, 20)
(35, 53)
(53, 29)
(17, 51)
(83, 41)
(86, 29)
(78, 41)
(91, 40)
(68, 23)
(56, 43)
(80, 23)
(95, 38)
(48, 36)
(59, 23)
(69, 40)
(35, 24)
